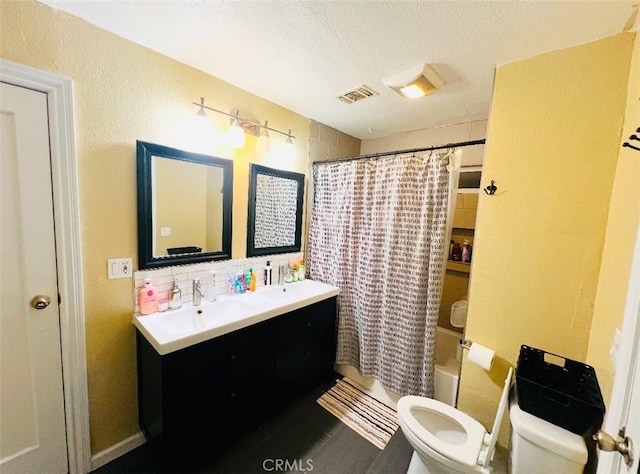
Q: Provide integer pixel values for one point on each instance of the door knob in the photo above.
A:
(622, 444)
(40, 301)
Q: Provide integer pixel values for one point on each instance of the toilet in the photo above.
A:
(537, 446)
(446, 440)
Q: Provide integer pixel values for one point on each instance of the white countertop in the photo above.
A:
(176, 329)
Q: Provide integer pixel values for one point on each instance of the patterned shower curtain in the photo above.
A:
(378, 231)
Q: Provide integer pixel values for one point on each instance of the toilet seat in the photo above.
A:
(465, 453)
(475, 452)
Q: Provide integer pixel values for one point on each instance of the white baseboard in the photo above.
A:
(114, 452)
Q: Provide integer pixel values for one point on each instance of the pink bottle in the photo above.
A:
(148, 298)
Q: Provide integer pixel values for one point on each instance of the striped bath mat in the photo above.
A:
(371, 419)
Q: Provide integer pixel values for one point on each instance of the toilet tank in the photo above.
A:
(540, 447)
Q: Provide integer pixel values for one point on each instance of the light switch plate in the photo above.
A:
(119, 268)
(165, 231)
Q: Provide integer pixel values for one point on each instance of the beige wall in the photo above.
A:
(622, 226)
(123, 93)
(326, 143)
(427, 137)
(552, 148)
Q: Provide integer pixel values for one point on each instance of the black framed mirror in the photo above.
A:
(184, 206)
(275, 211)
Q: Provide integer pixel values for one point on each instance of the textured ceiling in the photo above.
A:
(302, 54)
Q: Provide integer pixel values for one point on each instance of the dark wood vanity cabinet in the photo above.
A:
(204, 392)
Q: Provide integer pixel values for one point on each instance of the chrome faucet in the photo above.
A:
(198, 294)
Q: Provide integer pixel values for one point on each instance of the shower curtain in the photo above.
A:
(378, 230)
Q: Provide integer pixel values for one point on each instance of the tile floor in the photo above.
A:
(304, 434)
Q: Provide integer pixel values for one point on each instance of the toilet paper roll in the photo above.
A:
(482, 356)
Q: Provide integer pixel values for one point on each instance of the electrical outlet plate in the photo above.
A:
(119, 268)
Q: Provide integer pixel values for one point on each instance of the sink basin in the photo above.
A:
(189, 319)
(286, 293)
(177, 329)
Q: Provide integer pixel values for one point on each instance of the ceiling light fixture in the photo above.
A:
(240, 126)
(414, 83)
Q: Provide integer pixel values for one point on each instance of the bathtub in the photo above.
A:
(447, 369)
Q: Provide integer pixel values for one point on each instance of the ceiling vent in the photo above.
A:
(357, 94)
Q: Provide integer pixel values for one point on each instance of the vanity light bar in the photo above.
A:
(244, 123)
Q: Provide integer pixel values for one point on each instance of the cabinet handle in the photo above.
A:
(233, 357)
(308, 324)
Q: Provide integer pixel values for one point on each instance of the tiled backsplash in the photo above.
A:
(162, 278)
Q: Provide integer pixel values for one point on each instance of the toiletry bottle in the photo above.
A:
(268, 274)
(294, 272)
(456, 253)
(240, 284)
(230, 288)
(466, 252)
(211, 290)
(147, 298)
(302, 268)
(175, 296)
(253, 282)
(247, 279)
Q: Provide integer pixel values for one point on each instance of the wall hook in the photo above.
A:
(491, 189)
(632, 137)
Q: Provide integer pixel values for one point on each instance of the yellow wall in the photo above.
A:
(124, 92)
(552, 147)
(624, 215)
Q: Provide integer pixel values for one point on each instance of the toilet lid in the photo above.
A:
(464, 453)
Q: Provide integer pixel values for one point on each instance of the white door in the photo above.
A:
(32, 423)
(624, 409)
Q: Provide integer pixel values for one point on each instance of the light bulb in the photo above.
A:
(264, 141)
(235, 135)
(289, 149)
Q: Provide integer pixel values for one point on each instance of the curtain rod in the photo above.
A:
(400, 152)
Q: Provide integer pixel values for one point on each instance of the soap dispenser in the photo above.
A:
(211, 290)
(175, 296)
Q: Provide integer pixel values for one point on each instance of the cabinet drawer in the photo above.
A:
(202, 409)
(303, 365)
(316, 322)
(223, 356)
